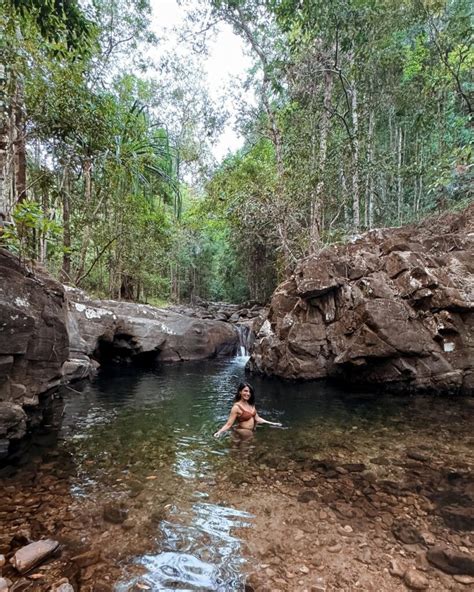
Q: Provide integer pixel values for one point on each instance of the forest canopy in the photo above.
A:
(361, 118)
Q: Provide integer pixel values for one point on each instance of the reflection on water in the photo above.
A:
(201, 552)
(144, 439)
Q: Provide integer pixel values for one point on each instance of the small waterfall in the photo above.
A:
(245, 340)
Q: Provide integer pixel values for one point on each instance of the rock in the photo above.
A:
(4, 584)
(2, 561)
(415, 580)
(107, 329)
(12, 421)
(459, 517)
(87, 558)
(466, 580)
(450, 561)
(396, 569)
(114, 514)
(407, 534)
(306, 496)
(33, 554)
(417, 455)
(62, 585)
(65, 587)
(393, 308)
(33, 342)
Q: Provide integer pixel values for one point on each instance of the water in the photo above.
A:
(143, 439)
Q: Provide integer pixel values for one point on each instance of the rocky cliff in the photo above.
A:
(392, 308)
(34, 342)
(107, 330)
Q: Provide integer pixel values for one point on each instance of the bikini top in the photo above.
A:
(246, 415)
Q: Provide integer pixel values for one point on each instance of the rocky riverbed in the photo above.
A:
(400, 520)
(357, 509)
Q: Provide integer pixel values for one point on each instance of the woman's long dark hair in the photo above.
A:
(241, 387)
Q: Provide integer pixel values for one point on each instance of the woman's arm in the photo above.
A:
(229, 423)
(260, 420)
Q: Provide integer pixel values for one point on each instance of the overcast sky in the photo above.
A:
(226, 61)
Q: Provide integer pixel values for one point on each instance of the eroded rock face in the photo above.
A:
(33, 337)
(394, 307)
(107, 329)
(34, 343)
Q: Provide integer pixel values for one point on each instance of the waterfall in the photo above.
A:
(245, 340)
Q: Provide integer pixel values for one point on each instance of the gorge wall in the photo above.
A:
(34, 343)
(392, 309)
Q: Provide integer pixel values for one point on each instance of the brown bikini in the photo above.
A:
(246, 415)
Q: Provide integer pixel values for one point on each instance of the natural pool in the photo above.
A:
(138, 478)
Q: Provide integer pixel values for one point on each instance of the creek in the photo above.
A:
(139, 473)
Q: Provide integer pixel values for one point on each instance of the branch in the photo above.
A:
(84, 275)
(445, 60)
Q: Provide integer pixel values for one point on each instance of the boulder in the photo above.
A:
(34, 342)
(107, 330)
(392, 308)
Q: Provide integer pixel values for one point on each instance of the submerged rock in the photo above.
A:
(393, 308)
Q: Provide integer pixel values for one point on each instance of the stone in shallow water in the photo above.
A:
(34, 553)
(115, 514)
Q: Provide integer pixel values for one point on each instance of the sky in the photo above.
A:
(226, 61)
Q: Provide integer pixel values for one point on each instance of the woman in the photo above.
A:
(244, 412)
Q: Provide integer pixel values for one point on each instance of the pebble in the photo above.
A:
(299, 535)
(62, 586)
(415, 580)
(304, 569)
(4, 585)
(335, 548)
(348, 528)
(2, 561)
(396, 569)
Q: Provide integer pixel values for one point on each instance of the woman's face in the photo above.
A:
(245, 393)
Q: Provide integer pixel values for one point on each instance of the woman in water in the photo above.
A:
(244, 412)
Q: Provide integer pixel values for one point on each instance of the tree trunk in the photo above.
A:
(66, 264)
(20, 143)
(399, 175)
(87, 172)
(317, 198)
(369, 198)
(355, 172)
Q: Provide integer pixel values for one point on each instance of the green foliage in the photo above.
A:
(29, 223)
(363, 119)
